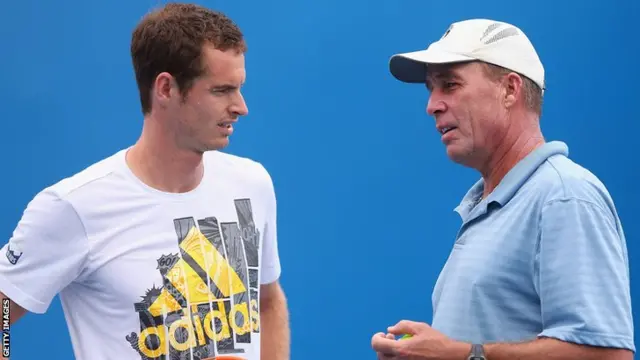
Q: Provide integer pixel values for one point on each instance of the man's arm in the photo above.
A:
(15, 311)
(274, 314)
(552, 349)
(274, 323)
(428, 343)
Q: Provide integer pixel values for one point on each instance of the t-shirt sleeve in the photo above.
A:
(270, 266)
(583, 276)
(46, 252)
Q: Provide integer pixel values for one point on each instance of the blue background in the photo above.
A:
(366, 193)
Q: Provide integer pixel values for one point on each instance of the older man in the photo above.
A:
(539, 268)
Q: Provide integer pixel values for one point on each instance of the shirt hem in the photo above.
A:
(592, 339)
(20, 297)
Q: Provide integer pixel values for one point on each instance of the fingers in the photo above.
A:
(384, 344)
(382, 356)
(378, 334)
(386, 356)
(405, 327)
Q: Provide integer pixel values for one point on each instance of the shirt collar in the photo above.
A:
(471, 206)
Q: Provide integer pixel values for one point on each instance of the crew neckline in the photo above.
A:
(157, 192)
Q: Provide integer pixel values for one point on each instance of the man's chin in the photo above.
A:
(217, 144)
(459, 156)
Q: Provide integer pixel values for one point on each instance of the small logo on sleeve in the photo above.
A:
(13, 253)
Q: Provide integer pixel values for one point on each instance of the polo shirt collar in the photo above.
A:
(513, 180)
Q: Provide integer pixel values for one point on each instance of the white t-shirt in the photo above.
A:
(144, 274)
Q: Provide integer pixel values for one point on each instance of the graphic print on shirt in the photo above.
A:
(208, 304)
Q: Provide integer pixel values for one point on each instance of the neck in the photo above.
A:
(507, 155)
(160, 163)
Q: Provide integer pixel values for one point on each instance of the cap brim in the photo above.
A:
(411, 67)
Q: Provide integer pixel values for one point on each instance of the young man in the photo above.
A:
(167, 249)
(539, 269)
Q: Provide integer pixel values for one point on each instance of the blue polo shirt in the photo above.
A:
(543, 255)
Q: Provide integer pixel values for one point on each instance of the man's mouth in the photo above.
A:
(445, 130)
(225, 125)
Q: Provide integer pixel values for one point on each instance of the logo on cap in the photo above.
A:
(447, 32)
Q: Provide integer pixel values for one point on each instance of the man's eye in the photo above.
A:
(221, 91)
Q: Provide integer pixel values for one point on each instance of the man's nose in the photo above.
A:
(435, 105)
(240, 106)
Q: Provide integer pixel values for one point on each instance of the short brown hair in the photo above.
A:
(171, 39)
(531, 91)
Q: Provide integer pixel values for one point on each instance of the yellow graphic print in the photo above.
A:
(190, 284)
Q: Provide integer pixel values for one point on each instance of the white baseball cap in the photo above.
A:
(491, 41)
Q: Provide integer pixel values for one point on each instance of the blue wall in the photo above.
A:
(362, 179)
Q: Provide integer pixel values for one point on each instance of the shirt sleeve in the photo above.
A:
(46, 252)
(270, 266)
(582, 276)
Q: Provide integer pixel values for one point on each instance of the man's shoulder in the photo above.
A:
(59, 204)
(564, 179)
(236, 167)
(82, 179)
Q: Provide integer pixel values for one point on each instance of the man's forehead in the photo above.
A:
(224, 65)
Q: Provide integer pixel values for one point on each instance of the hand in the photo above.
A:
(381, 355)
(425, 344)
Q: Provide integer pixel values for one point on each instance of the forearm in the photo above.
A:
(552, 349)
(274, 329)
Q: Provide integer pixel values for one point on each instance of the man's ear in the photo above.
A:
(513, 87)
(163, 88)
